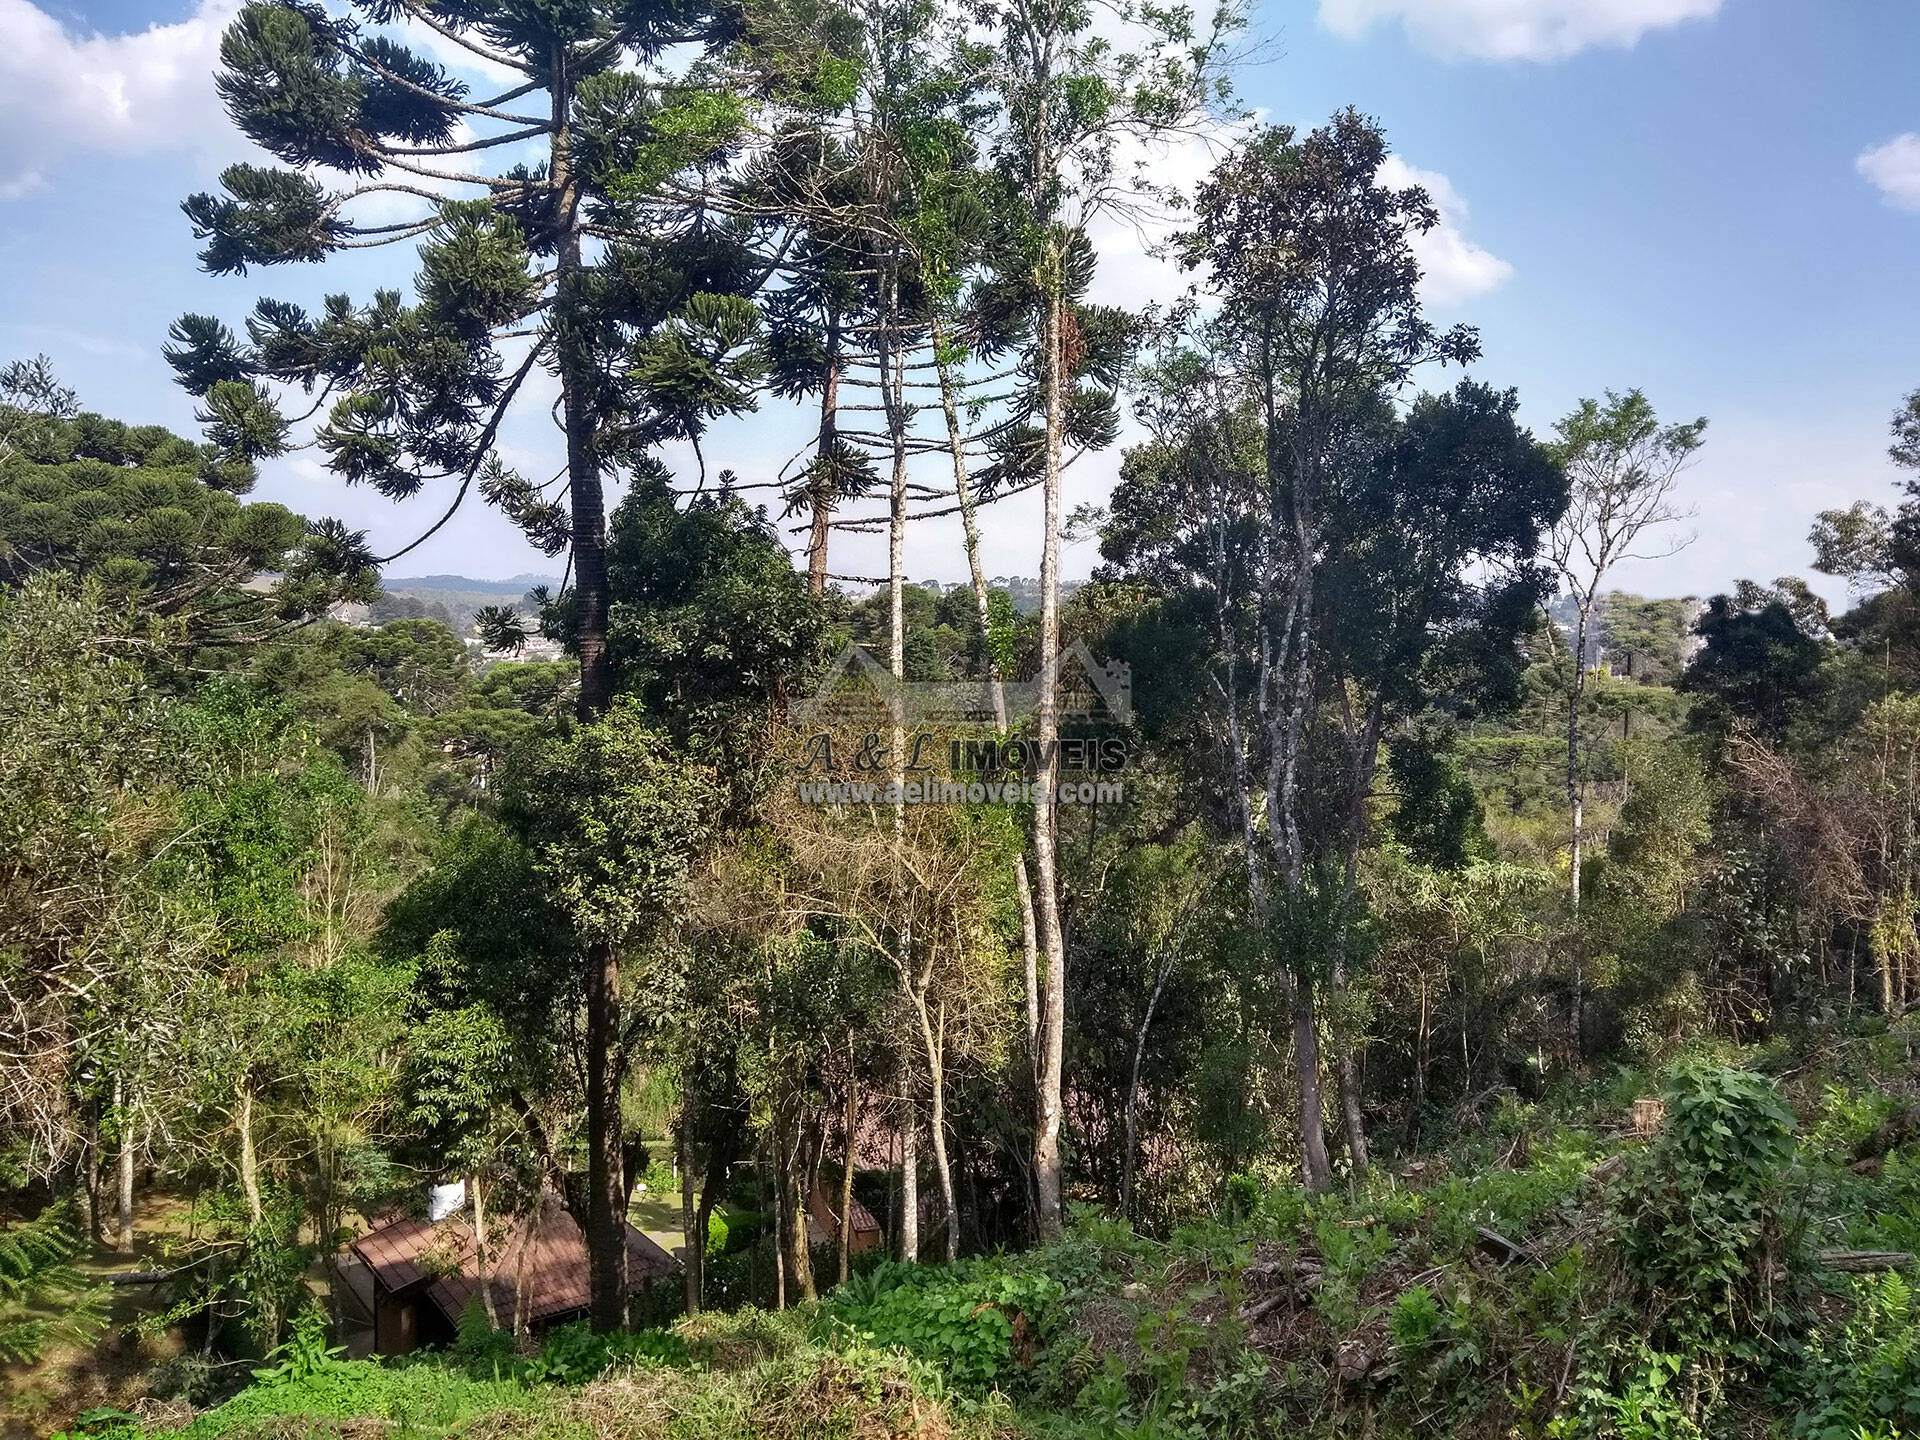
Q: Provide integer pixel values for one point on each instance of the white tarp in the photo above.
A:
(444, 1200)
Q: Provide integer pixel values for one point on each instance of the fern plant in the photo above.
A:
(44, 1299)
(1864, 1378)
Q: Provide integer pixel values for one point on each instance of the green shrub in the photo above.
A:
(573, 1354)
(1707, 1223)
(977, 1324)
(303, 1354)
(1415, 1322)
(1648, 1406)
(1866, 1377)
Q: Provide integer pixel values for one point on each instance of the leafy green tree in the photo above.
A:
(1079, 118)
(32, 400)
(1623, 467)
(84, 747)
(613, 818)
(584, 260)
(1753, 668)
(1436, 813)
(421, 663)
(1288, 514)
(593, 263)
(542, 925)
(486, 1053)
(1878, 554)
(708, 621)
(156, 521)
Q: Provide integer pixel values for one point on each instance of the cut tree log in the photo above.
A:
(1861, 1262)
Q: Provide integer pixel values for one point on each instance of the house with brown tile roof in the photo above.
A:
(425, 1274)
(823, 1223)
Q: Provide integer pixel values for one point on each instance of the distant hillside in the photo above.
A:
(451, 599)
(519, 584)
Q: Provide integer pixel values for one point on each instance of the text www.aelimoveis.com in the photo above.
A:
(955, 792)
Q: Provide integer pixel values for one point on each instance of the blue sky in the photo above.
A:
(1716, 200)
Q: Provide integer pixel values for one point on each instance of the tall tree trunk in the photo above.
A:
(693, 1235)
(719, 1158)
(908, 1247)
(933, 1042)
(123, 1240)
(1053, 950)
(249, 1160)
(606, 1200)
(522, 1300)
(1283, 834)
(483, 1250)
(1133, 1083)
(1347, 1074)
(606, 1184)
(799, 1243)
(1315, 1167)
(893, 394)
(1419, 1069)
(846, 1171)
(575, 364)
(779, 1228)
(1365, 761)
(90, 1176)
(983, 609)
(897, 628)
(823, 494)
(819, 533)
(1577, 823)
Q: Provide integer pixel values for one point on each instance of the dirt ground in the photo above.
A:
(658, 1218)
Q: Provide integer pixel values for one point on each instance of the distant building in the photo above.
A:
(823, 1223)
(425, 1273)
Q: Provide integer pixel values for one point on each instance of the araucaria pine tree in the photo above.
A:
(590, 257)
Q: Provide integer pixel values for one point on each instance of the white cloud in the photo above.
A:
(450, 53)
(63, 93)
(1894, 170)
(1514, 29)
(1135, 271)
(1452, 267)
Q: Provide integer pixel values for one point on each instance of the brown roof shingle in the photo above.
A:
(824, 1220)
(407, 1251)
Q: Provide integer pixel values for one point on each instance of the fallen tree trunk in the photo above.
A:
(1860, 1262)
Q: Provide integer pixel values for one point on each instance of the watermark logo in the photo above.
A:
(957, 737)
